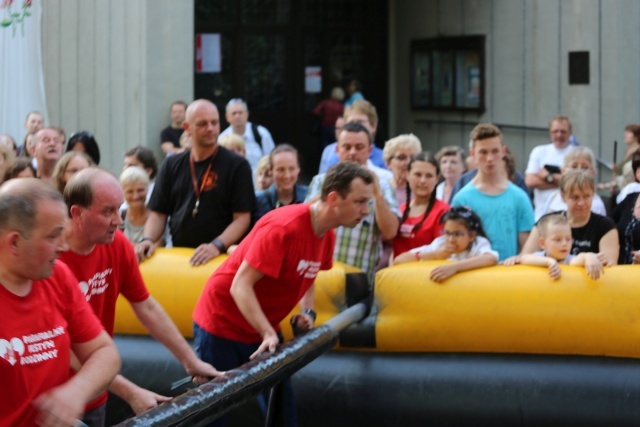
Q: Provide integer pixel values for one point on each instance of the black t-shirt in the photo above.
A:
(229, 190)
(587, 238)
(171, 134)
(622, 215)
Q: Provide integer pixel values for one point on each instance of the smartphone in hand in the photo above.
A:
(552, 168)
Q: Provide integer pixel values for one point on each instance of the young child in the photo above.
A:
(555, 240)
(233, 142)
(263, 176)
(464, 241)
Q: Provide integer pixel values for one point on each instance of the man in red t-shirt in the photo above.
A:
(105, 263)
(43, 316)
(273, 268)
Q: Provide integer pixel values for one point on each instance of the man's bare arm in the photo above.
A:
(153, 230)
(162, 328)
(538, 180)
(386, 220)
(245, 298)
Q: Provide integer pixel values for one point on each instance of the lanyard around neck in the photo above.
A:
(194, 178)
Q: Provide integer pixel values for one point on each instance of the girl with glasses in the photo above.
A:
(463, 240)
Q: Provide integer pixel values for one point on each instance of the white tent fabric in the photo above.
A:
(21, 73)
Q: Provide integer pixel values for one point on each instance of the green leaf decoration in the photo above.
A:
(5, 23)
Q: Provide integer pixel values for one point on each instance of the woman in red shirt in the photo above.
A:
(420, 223)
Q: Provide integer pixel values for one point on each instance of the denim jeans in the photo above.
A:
(225, 355)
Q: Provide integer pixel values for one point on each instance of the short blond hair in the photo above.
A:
(231, 140)
(556, 218)
(362, 106)
(134, 175)
(575, 153)
(407, 140)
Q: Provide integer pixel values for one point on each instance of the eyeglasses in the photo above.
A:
(583, 167)
(455, 235)
(360, 122)
(401, 157)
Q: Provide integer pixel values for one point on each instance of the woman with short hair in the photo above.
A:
(135, 185)
(397, 154)
(452, 166)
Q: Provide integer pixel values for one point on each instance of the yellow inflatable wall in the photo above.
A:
(498, 309)
(509, 310)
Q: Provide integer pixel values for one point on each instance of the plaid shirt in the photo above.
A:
(361, 245)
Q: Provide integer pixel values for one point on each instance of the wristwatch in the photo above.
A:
(142, 239)
(549, 178)
(220, 245)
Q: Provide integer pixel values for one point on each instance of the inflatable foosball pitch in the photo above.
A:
(495, 346)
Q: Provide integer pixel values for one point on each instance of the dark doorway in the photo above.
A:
(266, 47)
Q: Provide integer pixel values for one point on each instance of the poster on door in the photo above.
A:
(208, 57)
(313, 79)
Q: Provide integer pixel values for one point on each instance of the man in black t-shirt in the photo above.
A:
(170, 136)
(206, 190)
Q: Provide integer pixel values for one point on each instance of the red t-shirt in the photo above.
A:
(108, 271)
(430, 229)
(36, 332)
(285, 249)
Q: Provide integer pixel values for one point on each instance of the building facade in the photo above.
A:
(114, 66)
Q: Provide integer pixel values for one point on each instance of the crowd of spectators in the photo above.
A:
(485, 174)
